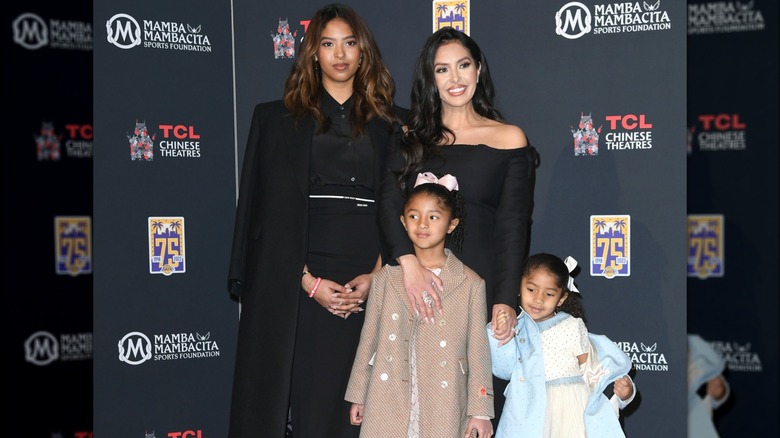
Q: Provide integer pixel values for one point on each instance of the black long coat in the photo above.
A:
(269, 252)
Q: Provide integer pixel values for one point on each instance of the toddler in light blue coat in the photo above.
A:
(557, 370)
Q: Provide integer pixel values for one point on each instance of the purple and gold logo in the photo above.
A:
(73, 246)
(610, 244)
(705, 246)
(454, 13)
(166, 245)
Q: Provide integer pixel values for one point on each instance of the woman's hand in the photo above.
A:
(356, 292)
(422, 288)
(330, 295)
(503, 323)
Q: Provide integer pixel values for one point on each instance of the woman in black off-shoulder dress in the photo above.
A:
(454, 128)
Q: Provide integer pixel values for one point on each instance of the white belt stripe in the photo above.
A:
(340, 197)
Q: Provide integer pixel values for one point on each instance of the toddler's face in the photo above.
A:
(540, 295)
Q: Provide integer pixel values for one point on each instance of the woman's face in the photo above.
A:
(456, 74)
(338, 55)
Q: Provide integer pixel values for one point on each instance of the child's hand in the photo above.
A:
(484, 428)
(356, 414)
(623, 388)
(716, 387)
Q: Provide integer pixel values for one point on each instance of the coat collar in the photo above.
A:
(543, 325)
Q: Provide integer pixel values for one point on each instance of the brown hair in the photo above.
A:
(373, 86)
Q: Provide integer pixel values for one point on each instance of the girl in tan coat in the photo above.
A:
(415, 378)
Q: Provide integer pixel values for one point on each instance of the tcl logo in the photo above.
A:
(186, 434)
(628, 122)
(720, 122)
(79, 131)
(179, 131)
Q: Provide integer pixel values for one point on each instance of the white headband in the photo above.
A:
(571, 264)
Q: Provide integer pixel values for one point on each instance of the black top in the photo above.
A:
(340, 164)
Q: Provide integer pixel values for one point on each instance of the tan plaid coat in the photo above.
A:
(454, 374)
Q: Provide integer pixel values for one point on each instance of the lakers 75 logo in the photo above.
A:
(705, 246)
(166, 245)
(73, 244)
(610, 245)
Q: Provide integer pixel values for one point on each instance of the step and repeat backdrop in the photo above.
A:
(733, 203)
(47, 214)
(654, 194)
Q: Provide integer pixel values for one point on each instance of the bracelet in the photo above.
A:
(314, 289)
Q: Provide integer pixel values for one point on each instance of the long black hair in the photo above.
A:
(425, 129)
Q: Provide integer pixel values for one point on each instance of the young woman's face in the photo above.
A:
(427, 223)
(338, 54)
(540, 295)
(456, 74)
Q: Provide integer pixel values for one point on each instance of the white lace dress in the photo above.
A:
(567, 391)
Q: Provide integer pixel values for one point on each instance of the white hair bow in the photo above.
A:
(448, 181)
(571, 264)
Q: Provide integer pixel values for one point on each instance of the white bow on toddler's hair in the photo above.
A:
(448, 181)
(571, 264)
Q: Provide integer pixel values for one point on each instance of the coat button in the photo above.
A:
(442, 344)
(443, 363)
(395, 317)
(391, 337)
(389, 358)
(383, 376)
(444, 384)
(442, 323)
(522, 340)
(521, 379)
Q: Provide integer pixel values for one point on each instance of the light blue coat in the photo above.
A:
(521, 362)
(704, 364)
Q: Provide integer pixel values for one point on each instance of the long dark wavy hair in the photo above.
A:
(451, 201)
(373, 86)
(425, 129)
(557, 268)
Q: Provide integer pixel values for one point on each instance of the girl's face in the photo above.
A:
(338, 55)
(540, 295)
(427, 222)
(456, 74)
